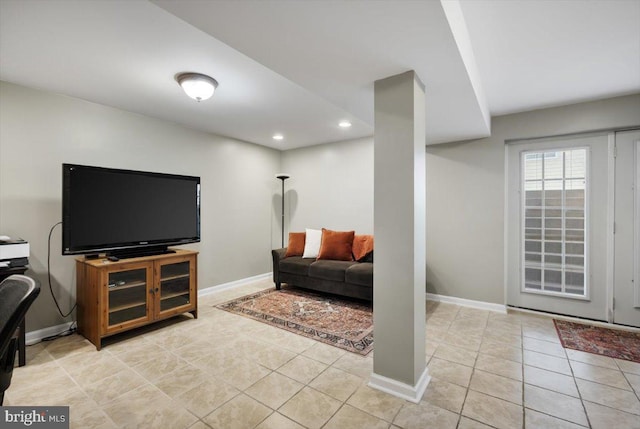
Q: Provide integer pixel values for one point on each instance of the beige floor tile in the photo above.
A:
(550, 380)
(512, 328)
(501, 350)
(423, 414)
(536, 420)
(504, 337)
(278, 421)
(503, 367)
(353, 418)
(465, 341)
(555, 404)
(147, 407)
(324, 353)
(310, 408)
(70, 345)
(206, 397)
(182, 379)
(302, 369)
(550, 363)
(444, 395)
(274, 390)
(109, 388)
(37, 354)
(492, 411)
(89, 415)
(243, 373)
(436, 334)
(86, 371)
(159, 366)
(498, 386)
(591, 358)
(602, 417)
(272, 357)
(337, 383)
(467, 423)
(546, 347)
(239, 413)
(32, 376)
(56, 390)
(619, 399)
(375, 402)
(610, 377)
(356, 365)
(450, 371)
(544, 334)
(199, 424)
(628, 366)
(456, 354)
(634, 381)
(139, 354)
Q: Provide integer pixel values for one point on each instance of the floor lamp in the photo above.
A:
(282, 177)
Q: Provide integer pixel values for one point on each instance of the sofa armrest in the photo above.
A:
(277, 255)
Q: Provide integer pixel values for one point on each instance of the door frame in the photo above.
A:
(610, 214)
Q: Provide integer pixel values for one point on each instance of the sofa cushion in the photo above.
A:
(336, 245)
(296, 265)
(329, 270)
(295, 246)
(360, 274)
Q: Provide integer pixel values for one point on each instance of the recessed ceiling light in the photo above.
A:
(278, 137)
(344, 124)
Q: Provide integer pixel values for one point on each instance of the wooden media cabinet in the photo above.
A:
(114, 297)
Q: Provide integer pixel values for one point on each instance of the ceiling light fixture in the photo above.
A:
(344, 124)
(197, 86)
(278, 137)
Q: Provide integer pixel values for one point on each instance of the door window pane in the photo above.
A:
(554, 206)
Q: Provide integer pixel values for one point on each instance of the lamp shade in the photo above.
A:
(197, 86)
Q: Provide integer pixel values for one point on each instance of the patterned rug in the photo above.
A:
(614, 343)
(332, 320)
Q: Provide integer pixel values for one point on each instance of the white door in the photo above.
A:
(557, 225)
(626, 309)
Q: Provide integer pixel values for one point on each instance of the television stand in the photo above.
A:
(115, 297)
(139, 253)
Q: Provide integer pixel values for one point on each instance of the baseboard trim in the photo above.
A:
(400, 389)
(234, 284)
(500, 308)
(35, 337)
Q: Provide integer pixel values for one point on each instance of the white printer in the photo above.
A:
(13, 253)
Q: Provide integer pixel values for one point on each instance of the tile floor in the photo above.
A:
(226, 371)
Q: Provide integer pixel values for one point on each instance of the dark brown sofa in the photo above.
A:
(346, 278)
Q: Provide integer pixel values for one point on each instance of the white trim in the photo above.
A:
(234, 284)
(636, 217)
(576, 319)
(35, 337)
(400, 389)
(482, 305)
(611, 200)
(505, 222)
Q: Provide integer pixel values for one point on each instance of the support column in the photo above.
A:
(399, 363)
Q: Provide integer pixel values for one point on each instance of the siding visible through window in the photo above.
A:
(554, 205)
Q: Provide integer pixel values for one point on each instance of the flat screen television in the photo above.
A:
(126, 213)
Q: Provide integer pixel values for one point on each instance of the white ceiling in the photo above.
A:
(299, 67)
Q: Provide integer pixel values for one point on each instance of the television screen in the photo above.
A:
(111, 210)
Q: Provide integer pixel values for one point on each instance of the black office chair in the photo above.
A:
(17, 293)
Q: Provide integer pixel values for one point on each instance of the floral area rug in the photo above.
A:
(337, 321)
(614, 343)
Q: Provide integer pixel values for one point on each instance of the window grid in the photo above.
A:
(554, 228)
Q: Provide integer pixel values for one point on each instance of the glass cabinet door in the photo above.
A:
(127, 296)
(175, 285)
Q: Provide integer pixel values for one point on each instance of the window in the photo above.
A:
(554, 189)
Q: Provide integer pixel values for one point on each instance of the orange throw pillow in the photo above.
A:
(336, 245)
(362, 245)
(296, 244)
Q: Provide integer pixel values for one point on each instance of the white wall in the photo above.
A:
(465, 194)
(39, 131)
(331, 186)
